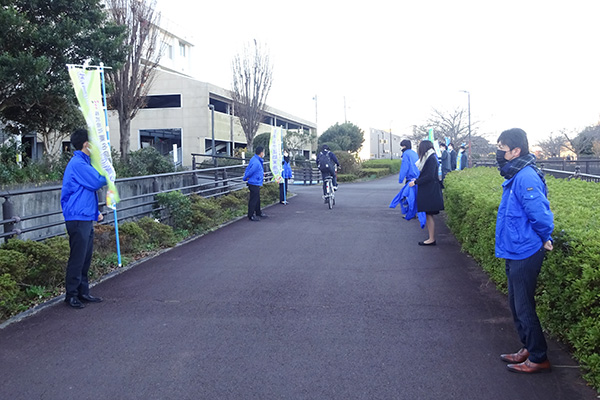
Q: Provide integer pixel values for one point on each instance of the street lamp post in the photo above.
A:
(469, 112)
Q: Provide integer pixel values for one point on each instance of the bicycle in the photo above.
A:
(330, 193)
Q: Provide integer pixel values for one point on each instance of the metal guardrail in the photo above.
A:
(576, 174)
(207, 182)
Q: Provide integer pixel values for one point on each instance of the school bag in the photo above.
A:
(325, 164)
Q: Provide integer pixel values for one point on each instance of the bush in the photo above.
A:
(568, 295)
(45, 263)
(132, 238)
(393, 166)
(348, 162)
(178, 209)
(160, 235)
(10, 296)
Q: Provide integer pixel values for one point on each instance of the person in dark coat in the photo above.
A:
(446, 166)
(429, 190)
(452, 156)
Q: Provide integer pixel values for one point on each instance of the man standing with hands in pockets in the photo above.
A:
(523, 228)
(79, 203)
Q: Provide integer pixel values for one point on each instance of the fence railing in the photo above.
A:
(35, 213)
(304, 172)
(575, 173)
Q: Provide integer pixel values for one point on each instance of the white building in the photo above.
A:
(178, 113)
(380, 144)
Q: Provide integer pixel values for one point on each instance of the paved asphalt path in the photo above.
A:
(310, 303)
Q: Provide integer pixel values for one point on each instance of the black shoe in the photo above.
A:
(427, 244)
(263, 216)
(88, 298)
(74, 302)
(253, 218)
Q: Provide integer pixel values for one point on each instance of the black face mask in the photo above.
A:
(500, 158)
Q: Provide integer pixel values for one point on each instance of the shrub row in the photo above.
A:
(568, 295)
(31, 272)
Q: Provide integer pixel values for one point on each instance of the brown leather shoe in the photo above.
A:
(529, 367)
(515, 358)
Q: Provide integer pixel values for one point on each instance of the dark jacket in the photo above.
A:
(446, 165)
(429, 190)
(78, 197)
(453, 160)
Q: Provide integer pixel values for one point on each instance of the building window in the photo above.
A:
(169, 51)
(181, 49)
(163, 101)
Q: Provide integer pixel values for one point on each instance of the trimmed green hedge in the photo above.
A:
(31, 272)
(568, 294)
(393, 166)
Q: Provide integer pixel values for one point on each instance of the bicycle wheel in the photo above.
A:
(329, 202)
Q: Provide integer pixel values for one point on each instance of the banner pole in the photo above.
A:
(105, 106)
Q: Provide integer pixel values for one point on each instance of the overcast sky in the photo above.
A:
(527, 63)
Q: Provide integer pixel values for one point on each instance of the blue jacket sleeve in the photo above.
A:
(403, 169)
(537, 208)
(334, 159)
(250, 169)
(88, 177)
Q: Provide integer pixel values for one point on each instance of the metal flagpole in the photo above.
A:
(108, 139)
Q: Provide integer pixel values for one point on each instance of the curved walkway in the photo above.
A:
(310, 303)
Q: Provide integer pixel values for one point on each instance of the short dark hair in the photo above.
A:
(259, 150)
(78, 138)
(325, 147)
(424, 147)
(406, 143)
(442, 144)
(514, 138)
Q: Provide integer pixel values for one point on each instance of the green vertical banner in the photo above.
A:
(87, 85)
(276, 153)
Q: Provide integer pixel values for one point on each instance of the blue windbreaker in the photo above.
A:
(287, 170)
(255, 174)
(78, 197)
(524, 222)
(408, 168)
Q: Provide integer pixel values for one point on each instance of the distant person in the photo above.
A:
(408, 168)
(453, 156)
(254, 176)
(462, 160)
(445, 160)
(429, 190)
(326, 162)
(79, 202)
(523, 228)
(286, 174)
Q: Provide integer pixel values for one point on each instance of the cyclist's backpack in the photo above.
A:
(325, 164)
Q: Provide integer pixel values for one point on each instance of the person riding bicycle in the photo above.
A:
(326, 162)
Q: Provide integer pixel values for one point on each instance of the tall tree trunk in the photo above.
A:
(52, 144)
(124, 131)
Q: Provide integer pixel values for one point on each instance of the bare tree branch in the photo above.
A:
(133, 81)
(252, 78)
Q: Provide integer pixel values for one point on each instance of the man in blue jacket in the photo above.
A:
(523, 228)
(254, 175)
(79, 203)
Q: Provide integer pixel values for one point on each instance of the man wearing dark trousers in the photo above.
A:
(523, 228)
(79, 203)
(255, 175)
